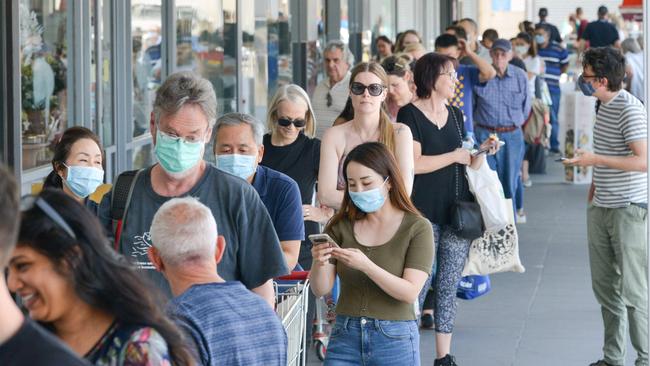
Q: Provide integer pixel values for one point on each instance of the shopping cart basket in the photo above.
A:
(291, 293)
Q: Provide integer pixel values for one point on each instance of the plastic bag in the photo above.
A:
(486, 187)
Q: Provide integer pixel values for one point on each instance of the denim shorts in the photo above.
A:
(368, 341)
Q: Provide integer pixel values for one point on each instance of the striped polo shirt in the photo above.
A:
(618, 123)
(554, 56)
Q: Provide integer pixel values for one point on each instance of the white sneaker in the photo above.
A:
(520, 218)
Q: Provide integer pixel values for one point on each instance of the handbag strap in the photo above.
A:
(460, 135)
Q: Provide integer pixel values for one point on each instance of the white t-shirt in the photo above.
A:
(635, 60)
(534, 65)
(325, 115)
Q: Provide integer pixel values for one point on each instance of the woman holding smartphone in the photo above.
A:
(380, 279)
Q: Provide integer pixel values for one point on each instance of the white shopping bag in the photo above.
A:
(496, 250)
(486, 187)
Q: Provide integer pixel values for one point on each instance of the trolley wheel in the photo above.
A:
(321, 349)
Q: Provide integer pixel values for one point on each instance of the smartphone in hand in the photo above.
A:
(321, 239)
(559, 160)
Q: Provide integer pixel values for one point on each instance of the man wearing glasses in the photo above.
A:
(332, 93)
(184, 113)
(502, 106)
(618, 205)
(22, 341)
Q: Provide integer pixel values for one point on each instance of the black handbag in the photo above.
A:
(466, 218)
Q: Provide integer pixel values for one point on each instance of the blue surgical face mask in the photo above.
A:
(83, 180)
(369, 201)
(586, 87)
(242, 166)
(522, 50)
(175, 154)
(539, 39)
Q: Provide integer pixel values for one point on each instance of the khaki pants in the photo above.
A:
(619, 272)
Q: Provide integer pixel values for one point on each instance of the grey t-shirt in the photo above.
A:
(253, 254)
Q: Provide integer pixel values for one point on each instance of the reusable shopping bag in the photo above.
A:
(497, 250)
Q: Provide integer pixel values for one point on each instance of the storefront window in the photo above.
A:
(254, 57)
(43, 72)
(279, 48)
(206, 42)
(146, 28)
(146, 25)
(101, 68)
(383, 24)
(315, 49)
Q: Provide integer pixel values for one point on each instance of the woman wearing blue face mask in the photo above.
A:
(383, 253)
(77, 165)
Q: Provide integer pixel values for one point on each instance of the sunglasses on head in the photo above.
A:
(29, 202)
(374, 89)
(286, 122)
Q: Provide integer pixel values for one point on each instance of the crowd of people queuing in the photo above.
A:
(175, 265)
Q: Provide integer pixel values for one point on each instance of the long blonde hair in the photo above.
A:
(386, 130)
(294, 94)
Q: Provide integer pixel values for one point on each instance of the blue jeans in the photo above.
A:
(368, 341)
(555, 124)
(507, 162)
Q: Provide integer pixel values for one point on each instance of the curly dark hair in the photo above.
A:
(606, 63)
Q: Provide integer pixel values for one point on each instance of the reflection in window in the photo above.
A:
(43, 73)
(103, 127)
(383, 24)
(315, 48)
(146, 25)
(279, 48)
(206, 42)
(254, 58)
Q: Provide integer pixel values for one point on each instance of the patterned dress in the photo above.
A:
(130, 345)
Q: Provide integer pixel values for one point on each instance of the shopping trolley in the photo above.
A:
(291, 293)
(324, 320)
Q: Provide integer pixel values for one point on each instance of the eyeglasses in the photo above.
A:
(329, 99)
(374, 89)
(29, 202)
(589, 76)
(452, 74)
(286, 122)
(188, 139)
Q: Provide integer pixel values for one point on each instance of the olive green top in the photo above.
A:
(410, 247)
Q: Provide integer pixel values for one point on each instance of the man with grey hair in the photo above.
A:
(332, 93)
(239, 148)
(181, 124)
(187, 249)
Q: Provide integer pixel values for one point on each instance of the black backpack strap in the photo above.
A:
(120, 199)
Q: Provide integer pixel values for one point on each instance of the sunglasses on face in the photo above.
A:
(374, 89)
(286, 122)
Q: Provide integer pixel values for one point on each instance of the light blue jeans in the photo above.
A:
(368, 341)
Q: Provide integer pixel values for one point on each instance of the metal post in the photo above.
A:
(333, 19)
(10, 83)
(646, 68)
